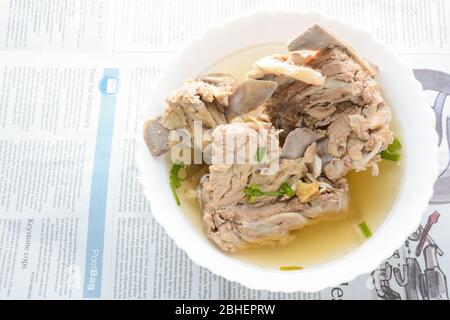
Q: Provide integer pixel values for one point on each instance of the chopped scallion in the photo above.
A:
(365, 230)
(175, 180)
(393, 151)
(260, 152)
(254, 191)
(287, 190)
(395, 146)
(174, 193)
(291, 268)
(389, 156)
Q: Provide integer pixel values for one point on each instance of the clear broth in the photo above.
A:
(371, 199)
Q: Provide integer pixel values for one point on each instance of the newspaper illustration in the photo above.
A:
(74, 85)
(413, 272)
(415, 267)
(440, 82)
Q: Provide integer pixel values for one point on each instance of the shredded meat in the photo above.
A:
(233, 223)
(349, 107)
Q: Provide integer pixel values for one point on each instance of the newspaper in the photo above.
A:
(74, 79)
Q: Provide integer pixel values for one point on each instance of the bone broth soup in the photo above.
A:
(283, 157)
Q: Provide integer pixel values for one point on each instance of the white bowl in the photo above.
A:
(401, 90)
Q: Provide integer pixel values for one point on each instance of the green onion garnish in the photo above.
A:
(291, 268)
(260, 153)
(174, 193)
(365, 230)
(175, 180)
(395, 146)
(287, 190)
(254, 191)
(389, 156)
(393, 151)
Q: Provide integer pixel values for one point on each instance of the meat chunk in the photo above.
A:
(234, 222)
(196, 101)
(282, 65)
(156, 137)
(241, 226)
(297, 141)
(348, 109)
(210, 100)
(248, 95)
(318, 38)
(218, 79)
